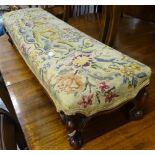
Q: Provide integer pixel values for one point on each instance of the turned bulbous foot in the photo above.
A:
(75, 140)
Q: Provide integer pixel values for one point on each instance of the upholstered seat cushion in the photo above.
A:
(80, 74)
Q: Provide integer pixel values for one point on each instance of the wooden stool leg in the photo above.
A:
(74, 125)
(137, 112)
(74, 135)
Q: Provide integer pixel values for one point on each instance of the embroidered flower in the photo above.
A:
(126, 71)
(70, 83)
(130, 69)
(82, 60)
(109, 96)
(86, 100)
(107, 91)
(103, 86)
(71, 35)
(23, 48)
(134, 67)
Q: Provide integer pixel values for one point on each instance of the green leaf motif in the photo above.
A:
(87, 43)
(75, 94)
(97, 96)
(93, 66)
(141, 75)
(134, 81)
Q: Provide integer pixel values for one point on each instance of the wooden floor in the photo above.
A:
(135, 38)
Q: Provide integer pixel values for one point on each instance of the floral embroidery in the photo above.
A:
(86, 100)
(134, 67)
(128, 74)
(23, 48)
(103, 86)
(70, 83)
(71, 35)
(107, 92)
(72, 63)
(109, 96)
(87, 43)
(126, 71)
(82, 60)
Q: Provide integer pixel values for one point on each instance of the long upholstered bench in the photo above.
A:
(82, 76)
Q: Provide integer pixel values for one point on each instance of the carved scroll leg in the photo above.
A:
(137, 112)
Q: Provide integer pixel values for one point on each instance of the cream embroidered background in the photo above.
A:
(80, 74)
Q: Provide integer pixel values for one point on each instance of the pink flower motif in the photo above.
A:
(109, 96)
(103, 86)
(86, 100)
(23, 48)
